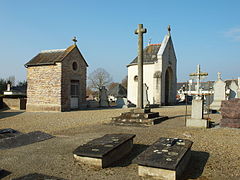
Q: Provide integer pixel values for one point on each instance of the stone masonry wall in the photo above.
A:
(44, 88)
(69, 74)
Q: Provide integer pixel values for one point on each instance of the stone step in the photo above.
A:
(139, 115)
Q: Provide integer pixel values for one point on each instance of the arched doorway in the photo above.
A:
(168, 86)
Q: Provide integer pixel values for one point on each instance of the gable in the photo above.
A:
(167, 48)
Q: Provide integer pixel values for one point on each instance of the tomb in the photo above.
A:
(10, 138)
(166, 159)
(138, 117)
(35, 176)
(230, 113)
(104, 151)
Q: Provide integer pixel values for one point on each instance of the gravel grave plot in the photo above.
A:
(215, 151)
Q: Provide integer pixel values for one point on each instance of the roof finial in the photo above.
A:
(169, 29)
(74, 40)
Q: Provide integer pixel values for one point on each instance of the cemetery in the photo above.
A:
(146, 135)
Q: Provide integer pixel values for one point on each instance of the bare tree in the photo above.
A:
(98, 78)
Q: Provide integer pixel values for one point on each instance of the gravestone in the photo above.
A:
(219, 93)
(230, 113)
(36, 176)
(145, 95)
(104, 151)
(121, 102)
(103, 102)
(197, 115)
(12, 139)
(166, 159)
(233, 90)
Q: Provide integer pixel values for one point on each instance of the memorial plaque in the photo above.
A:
(102, 152)
(23, 139)
(166, 158)
(36, 176)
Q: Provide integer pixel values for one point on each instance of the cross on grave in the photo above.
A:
(74, 40)
(198, 76)
(140, 32)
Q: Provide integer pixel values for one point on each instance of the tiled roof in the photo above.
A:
(49, 57)
(149, 54)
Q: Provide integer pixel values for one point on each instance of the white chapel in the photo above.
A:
(159, 73)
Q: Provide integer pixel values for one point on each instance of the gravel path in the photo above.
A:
(215, 151)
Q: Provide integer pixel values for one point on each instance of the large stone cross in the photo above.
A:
(140, 32)
(198, 75)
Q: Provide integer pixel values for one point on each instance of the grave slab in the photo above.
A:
(166, 159)
(23, 139)
(104, 151)
(36, 176)
(8, 132)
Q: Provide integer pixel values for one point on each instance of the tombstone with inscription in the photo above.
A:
(103, 102)
(219, 93)
(233, 90)
(104, 151)
(197, 104)
(167, 159)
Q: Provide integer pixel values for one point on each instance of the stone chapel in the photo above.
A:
(159, 73)
(56, 80)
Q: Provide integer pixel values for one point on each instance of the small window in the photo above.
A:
(74, 66)
(136, 78)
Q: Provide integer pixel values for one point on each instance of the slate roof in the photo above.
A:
(50, 57)
(149, 54)
(118, 91)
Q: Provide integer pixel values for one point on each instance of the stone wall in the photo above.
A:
(44, 88)
(69, 74)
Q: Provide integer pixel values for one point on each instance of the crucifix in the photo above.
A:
(198, 76)
(140, 32)
(74, 40)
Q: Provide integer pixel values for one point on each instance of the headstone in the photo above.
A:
(145, 95)
(219, 93)
(121, 102)
(233, 90)
(36, 176)
(230, 113)
(197, 115)
(166, 159)
(104, 151)
(103, 102)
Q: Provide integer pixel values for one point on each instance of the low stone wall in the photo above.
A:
(230, 113)
(15, 103)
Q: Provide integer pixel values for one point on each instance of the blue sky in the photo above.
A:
(205, 32)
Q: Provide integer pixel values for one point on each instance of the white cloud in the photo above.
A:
(233, 33)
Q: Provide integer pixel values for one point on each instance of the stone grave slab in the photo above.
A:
(23, 139)
(36, 176)
(165, 159)
(8, 132)
(104, 151)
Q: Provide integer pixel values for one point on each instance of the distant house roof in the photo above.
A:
(50, 57)
(118, 91)
(149, 54)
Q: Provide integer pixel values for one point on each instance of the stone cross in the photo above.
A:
(74, 40)
(198, 75)
(140, 32)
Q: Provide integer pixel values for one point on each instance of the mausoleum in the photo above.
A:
(159, 73)
(56, 80)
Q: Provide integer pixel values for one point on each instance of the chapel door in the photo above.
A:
(74, 94)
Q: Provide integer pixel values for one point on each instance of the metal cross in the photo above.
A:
(198, 75)
(74, 40)
(140, 32)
